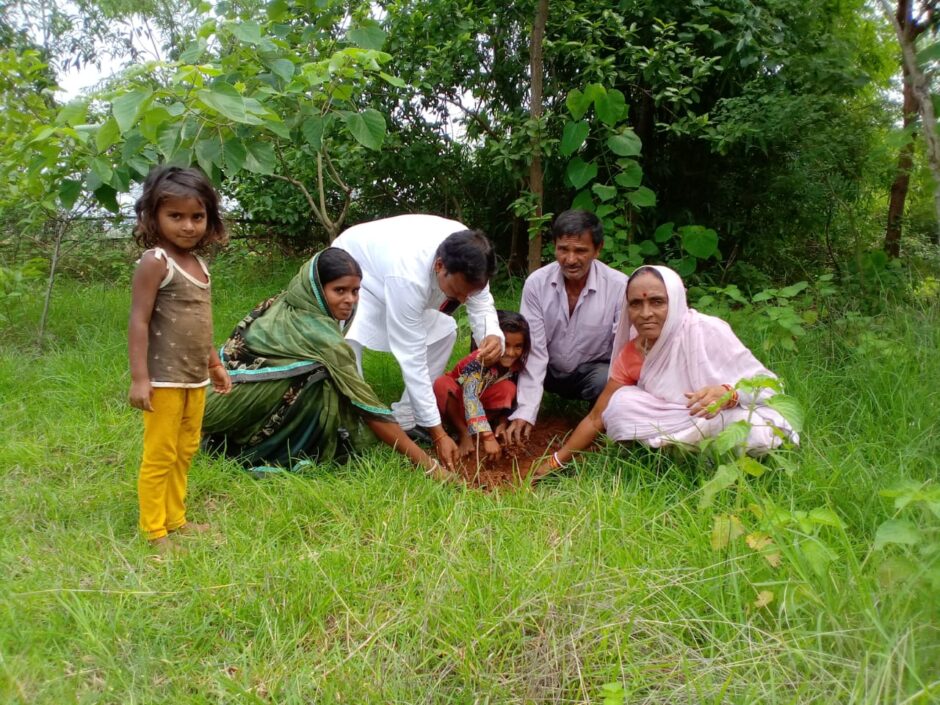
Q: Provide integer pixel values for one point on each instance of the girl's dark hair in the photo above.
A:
(513, 322)
(468, 252)
(165, 182)
(334, 263)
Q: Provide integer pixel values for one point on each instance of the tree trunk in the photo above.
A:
(61, 226)
(907, 30)
(535, 112)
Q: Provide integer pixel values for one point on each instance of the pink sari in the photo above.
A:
(693, 351)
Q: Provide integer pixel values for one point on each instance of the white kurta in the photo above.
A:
(400, 299)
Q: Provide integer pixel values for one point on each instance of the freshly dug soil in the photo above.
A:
(548, 434)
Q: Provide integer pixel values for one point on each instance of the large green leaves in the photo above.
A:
(625, 144)
(699, 241)
(226, 100)
(127, 106)
(368, 127)
(580, 172)
(573, 137)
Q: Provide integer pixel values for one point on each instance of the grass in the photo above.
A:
(368, 583)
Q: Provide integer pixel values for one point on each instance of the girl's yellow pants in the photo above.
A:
(171, 438)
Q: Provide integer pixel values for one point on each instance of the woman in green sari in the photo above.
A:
(296, 391)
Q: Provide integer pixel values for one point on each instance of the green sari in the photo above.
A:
(296, 391)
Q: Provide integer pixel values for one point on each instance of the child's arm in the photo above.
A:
(144, 287)
(221, 382)
(477, 424)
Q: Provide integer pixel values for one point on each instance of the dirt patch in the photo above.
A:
(516, 460)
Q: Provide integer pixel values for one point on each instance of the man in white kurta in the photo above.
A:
(405, 290)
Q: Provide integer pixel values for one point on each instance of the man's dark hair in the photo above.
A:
(468, 252)
(575, 222)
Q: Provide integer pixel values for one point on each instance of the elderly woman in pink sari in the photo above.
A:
(673, 376)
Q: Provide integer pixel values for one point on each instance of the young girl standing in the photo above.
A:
(474, 397)
(169, 340)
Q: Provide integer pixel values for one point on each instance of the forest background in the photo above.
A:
(773, 152)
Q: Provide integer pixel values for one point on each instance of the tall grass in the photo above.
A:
(369, 583)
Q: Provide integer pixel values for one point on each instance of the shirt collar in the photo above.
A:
(589, 285)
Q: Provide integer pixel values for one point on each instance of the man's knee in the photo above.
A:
(594, 379)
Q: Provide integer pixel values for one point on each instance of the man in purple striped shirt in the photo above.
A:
(572, 306)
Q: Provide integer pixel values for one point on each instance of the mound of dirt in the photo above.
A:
(548, 434)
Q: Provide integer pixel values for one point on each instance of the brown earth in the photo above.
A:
(514, 464)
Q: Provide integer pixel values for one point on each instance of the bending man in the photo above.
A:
(417, 269)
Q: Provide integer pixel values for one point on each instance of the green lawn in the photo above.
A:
(368, 583)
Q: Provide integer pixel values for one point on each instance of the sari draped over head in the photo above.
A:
(693, 350)
(296, 392)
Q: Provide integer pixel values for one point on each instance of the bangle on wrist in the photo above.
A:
(554, 462)
(216, 364)
(733, 401)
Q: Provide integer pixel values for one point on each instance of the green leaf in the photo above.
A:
(248, 32)
(283, 69)
(72, 113)
(929, 53)
(368, 36)
(625, 144)
(611, 107)
(826, 517)
(573, 137)
(225, 100)
(648, 249)
(234, 155)
(732, 436)
(725, 529)
(789, 408)
(368, 127)
(277, 10)
(684, 266)
(698, 241)
(101, 169)
(747, 464)
(792, 290)
(69, 191)
(127, 107)
(139, 164)
(664, 232)
(605, 193)
(260, 158)
(392, 80)
(818, 555)
(577, 103)
(107, 135)
(724, 477)
(631, 176)
(107, 197)
(580, 172)
(584, 201)
(312, 129)
(192, 53)
(642, 197)
(898, 531)
(209, 152)
(168, 137)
